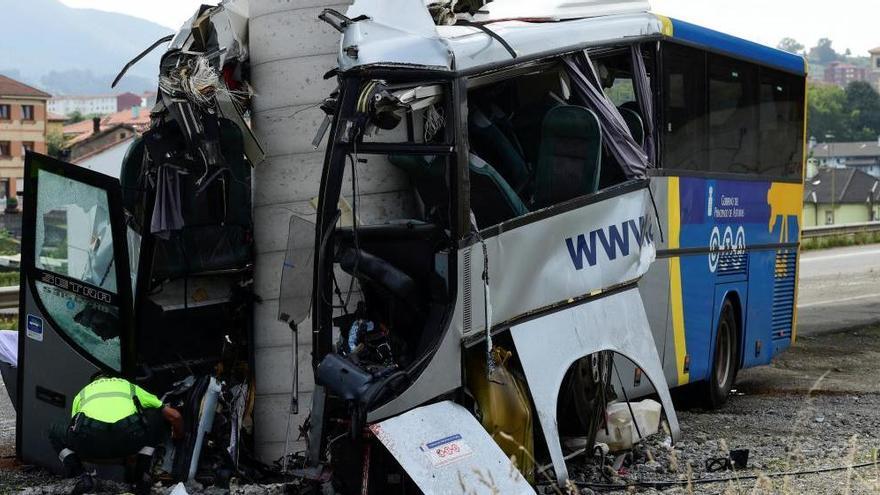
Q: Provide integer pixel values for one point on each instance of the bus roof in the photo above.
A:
(391, 38)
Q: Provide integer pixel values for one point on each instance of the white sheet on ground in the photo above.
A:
(9, 347)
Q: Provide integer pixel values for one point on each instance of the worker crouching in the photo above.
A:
(112, 418)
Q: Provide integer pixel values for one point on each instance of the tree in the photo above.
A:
(826, 112)
(75, 117)
(863, 110)
(55, 143)
(823, 53)
(790, 45)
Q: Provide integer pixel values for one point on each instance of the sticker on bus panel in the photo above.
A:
(442, 445)
(35, 328)
(447, 450)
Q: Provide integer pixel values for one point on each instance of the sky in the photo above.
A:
(849, 23)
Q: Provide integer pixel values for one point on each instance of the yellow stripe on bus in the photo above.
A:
(665, 25)
(797, 263)
(675, 296)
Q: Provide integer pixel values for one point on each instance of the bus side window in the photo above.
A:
(733, 116)
(781, 124)
(684, 108)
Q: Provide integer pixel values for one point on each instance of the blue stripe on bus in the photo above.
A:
(732, 45)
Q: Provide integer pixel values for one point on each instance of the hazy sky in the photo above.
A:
(850, 23)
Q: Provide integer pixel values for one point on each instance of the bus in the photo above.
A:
(587, 182)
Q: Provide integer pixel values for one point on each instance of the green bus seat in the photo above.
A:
(570, 156)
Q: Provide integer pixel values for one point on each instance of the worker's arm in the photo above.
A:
(173, 417)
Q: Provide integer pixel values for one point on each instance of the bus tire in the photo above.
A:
(724, 358)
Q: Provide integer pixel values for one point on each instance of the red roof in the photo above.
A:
(54, 117)
(11, 87)
(83, 129)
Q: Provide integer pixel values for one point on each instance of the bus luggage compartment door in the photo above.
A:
(75, 296)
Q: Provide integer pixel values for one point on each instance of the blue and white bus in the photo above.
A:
(576, 183)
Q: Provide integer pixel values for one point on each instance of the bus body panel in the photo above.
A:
(722, 239)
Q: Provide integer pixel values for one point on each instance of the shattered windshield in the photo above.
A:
(74, 246)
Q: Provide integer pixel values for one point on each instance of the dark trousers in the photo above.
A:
(95, 440)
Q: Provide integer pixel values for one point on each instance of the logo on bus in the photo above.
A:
(613, 240)
(724, 249)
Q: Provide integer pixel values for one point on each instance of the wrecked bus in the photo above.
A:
(551, 159)
(510, 285)
(146, 272)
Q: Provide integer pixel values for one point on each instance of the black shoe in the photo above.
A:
(144, 485)
(85, 484)
(71, 466)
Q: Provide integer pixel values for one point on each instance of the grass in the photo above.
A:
(8, 244)
(842, 240)
(8, 322)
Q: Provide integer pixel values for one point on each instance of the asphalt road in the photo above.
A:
(839, 288)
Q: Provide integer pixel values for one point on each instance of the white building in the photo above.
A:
(85, 105)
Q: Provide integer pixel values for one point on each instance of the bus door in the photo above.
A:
(76, 302)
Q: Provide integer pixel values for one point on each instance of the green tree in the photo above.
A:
(827, 112)
(790, 45)
(863, 111)
(55, 143)
(823, 53)
(75, 117)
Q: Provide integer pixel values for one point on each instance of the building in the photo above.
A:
(863, 156)
(85, 105)
(136, 117)
(842, 74)
(127, 100)
(104, 149)
(875, 66)
(22, 127)
(837, 196)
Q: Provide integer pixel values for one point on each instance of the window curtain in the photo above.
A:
(616, 137)
(646, 102)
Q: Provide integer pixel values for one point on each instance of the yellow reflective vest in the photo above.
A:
(111, 399)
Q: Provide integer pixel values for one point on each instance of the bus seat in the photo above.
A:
(490, 141)
(426, 174)
(570, 157)
(634, 122)
(492, 199)
(381, 275)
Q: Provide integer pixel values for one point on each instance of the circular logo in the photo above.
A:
(714, 249)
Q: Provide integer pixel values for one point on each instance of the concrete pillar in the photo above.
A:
(290, 52)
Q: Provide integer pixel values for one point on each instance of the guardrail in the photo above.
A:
(843, 229)
(9, 297)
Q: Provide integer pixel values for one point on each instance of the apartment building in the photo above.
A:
(22, 126)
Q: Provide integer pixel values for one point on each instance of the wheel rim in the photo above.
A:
(725, 344)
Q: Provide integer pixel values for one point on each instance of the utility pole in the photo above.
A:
(290, 51)
(833, 178)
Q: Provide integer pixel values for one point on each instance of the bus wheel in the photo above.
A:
(724, 359)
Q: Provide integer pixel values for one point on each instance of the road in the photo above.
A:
(839, 288)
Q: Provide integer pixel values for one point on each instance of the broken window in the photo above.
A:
(383, 291)
(74, 249)
(535, 142)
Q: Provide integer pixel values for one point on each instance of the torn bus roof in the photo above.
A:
(382, 36)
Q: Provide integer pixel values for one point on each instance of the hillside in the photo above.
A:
(75, 51)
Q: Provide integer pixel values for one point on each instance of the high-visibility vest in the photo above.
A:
(112, 399)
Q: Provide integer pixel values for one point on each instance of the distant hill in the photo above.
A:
(75, 51)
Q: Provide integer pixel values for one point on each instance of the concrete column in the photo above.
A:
(290, 52)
